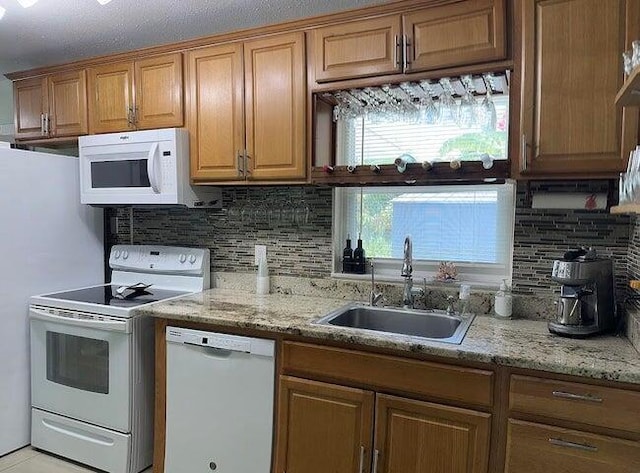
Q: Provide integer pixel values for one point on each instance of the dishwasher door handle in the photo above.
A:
(211, 352)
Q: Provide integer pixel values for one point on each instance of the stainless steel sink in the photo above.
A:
(427, 324)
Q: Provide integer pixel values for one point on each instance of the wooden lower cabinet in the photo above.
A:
(323, 427)
(329, 428)
(537, 448)
(422, 437)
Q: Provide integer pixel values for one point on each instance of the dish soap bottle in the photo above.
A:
(503, 301)
(262, 280)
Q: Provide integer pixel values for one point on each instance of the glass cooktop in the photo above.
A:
(106, 295)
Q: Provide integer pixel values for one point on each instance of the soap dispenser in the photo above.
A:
(503, 301)
(262, 279)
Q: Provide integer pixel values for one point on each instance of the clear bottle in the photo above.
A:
(503, 301)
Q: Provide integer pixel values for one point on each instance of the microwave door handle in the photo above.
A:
(152, 172)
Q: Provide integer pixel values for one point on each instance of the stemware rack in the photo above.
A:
(461, 172)
(411, 93)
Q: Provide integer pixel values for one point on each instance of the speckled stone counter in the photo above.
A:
(516, 343)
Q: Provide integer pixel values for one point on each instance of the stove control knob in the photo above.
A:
(116, 254)
(125, 254)
(182, 258)
(192, 259)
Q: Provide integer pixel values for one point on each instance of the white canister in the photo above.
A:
(503, 304)
(262, 279)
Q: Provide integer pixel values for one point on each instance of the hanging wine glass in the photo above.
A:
(467, 110)
(430, 111)
(448, 106)
(488, 116)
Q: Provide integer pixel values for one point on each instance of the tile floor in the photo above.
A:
(28, 460)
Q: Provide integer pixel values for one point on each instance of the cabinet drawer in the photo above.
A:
(451, 383)
(534, 448)
(587, 404)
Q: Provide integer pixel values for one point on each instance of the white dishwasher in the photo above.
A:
(220, 391)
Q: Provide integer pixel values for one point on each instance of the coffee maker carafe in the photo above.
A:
(586, 305)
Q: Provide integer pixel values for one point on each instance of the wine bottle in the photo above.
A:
(359, 258)
(347, 257)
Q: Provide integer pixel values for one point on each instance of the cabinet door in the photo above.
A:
(158, 82)
(215, 113)
(68, 104)
(421, 437)
(535, 448)
(466, 32)
(275, 89)
(323, 427)
(357, 49)
(30, 104)
(111, 98)
(571, 74)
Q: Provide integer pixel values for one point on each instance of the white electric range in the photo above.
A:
(92, 380)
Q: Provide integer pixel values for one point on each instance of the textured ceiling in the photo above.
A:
(56, 31)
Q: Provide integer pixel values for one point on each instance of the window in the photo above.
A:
(379, 138)
(465, 119)
(471, 226)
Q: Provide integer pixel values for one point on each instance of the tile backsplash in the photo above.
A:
(304, 249)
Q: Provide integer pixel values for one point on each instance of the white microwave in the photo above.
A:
(148, 167)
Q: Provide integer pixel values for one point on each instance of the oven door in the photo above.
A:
(81, 366)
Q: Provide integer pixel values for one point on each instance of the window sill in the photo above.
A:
(476, 282)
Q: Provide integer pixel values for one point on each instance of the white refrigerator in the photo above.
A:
(48, 242)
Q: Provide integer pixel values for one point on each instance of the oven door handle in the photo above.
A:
(109, 325)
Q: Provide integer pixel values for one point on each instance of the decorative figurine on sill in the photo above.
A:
(447, 271)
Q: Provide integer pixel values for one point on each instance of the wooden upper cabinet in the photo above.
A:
(323, 428)
(51, 106)
(535, 448)
(30, 105)
(158, 99)
(131, 95)
(215, 113)
(467, 32)
(357, 49)
(419, 437)
(68, 104)
(275, 97)
(111, 98)
(455, 33)
(571, 72)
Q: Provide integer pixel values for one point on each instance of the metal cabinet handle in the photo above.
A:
(524, 158)
(240, 163)
(577, 397)
(376, 453)
(247, 171)
(396, 51)
(130, 116)
(577, 446)
(46, 123)
(135, 115)
(360, 469)
(42, 123)
(406, 44)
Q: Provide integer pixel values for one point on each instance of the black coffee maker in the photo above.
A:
(586, 305)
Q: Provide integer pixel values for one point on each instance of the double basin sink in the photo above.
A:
(433, 325)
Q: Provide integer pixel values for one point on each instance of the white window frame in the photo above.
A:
(482, 275)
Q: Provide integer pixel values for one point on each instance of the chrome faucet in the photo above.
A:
(407, 272)
(374, 296)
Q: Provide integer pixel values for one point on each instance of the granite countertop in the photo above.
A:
(517, 343)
